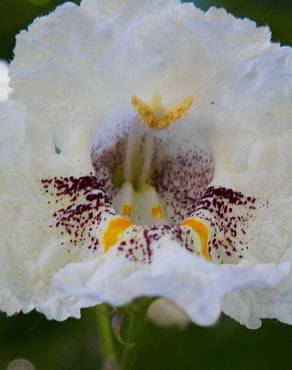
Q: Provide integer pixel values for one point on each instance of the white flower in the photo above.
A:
(78, 146)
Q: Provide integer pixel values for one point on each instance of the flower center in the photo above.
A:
(151, 186)
(139, 155)
(155, 117)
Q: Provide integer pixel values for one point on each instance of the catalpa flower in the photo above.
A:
(147, 154)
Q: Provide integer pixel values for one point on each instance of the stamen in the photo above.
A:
(156, 211)
(126, 200)
(126, 211)
(200, 229)
(155, 116)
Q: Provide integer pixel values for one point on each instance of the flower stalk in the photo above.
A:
(132, 331)
(119, 347)
(108, 345)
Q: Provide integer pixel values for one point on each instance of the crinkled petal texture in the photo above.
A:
(29, 250)
(193, 284)
(80, 65)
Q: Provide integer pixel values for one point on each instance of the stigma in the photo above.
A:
(156, 116)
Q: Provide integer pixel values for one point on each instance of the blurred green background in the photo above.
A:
(73, 345)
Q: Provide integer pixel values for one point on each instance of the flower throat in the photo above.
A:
(137, 164)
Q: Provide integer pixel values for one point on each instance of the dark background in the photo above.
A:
(73, 345)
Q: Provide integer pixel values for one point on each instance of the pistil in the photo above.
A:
(147, 159)
(133, 146)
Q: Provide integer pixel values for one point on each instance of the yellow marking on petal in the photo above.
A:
(157, 212)
(155, 117)
(202, 231)
(114, 231)
(126, 210)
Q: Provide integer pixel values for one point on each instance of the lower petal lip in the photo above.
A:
(118, 282)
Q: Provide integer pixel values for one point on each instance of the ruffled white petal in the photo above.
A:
(249, 307)
(101, 10)
(62, 67)
(29, 251)
(194, 285)
(122, 8)
(268, 173)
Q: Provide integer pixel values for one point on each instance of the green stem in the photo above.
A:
(132, 332)
(106, 336)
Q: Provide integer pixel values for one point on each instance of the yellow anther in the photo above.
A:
(114, 232)
(203, 233)
(155, 116)
(157, 212)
